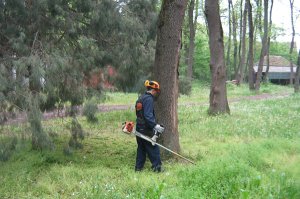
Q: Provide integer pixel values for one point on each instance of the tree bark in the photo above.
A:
(229, 39)
(257, 23)
(268, 44)
(237, 75)
(297, 75)
(292, 42)
(235, 43)
(251, 56)
(218, 95)
(258, 17)
(243, 56)
(192, 27)
(166, 69)
(263, 49)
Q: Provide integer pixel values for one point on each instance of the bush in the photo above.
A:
(7, 148)
(89, 110)
(185, 86)
(76, 135)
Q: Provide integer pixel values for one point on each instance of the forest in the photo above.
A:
(71, 72)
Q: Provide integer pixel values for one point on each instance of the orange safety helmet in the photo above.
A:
(152, 84)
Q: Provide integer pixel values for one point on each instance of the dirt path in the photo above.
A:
(22, 117)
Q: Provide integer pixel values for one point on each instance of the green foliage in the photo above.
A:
(90, 108)
(234, 178)
(201, 58)
(154, 192)
(202, 55)
(40, 140)
(185, 86)
(77, 134)
(7, 146)
(283, 49)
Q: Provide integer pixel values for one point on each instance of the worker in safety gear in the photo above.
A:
(146, 124)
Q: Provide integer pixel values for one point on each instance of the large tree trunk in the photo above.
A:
(264, 46)
(292, 42)
(192, 27)
(297, 75)
(166, 68)
(251, 57)
(218, 95)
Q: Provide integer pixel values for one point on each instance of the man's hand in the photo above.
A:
(159, 128)
(154, 138)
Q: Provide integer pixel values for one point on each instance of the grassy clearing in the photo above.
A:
(252, 153)
(199, 94)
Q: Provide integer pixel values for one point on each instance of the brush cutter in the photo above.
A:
(128, 128)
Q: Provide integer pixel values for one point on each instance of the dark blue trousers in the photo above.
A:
(146, 148)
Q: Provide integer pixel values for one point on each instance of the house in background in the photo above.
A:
(279, 70)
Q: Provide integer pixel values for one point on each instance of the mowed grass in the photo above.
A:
(252, 153)
(199, 93)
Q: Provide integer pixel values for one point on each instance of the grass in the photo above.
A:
(199, 94)
(252, 153)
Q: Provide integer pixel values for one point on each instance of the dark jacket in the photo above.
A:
(145, 121)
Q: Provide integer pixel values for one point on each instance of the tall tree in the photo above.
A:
(166, 68)
(193, 8)
(229, 38)
(243, 48)
(258, 18)
(297, 75)
(269, 43)
(292, 42)
(49, 47)
(237, 72)
(235, 42)
(250, 57)
(257, 23)
(218, 102)
(264, 47)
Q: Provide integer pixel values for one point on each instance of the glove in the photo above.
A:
(159, 128)
(154, 138)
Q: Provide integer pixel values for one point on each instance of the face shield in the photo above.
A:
(156, 93)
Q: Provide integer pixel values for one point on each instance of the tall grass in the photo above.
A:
(252, 153)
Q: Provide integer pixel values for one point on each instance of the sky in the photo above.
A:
(281, 17)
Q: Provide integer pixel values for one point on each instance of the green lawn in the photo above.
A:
(252, 153)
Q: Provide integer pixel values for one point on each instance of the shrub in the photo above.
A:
(7, 148)
(185, 86)
(89, 110)
(76, 135)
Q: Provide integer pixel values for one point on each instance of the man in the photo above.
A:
(146, 124)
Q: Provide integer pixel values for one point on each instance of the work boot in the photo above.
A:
(157, 169)
(138, 169)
